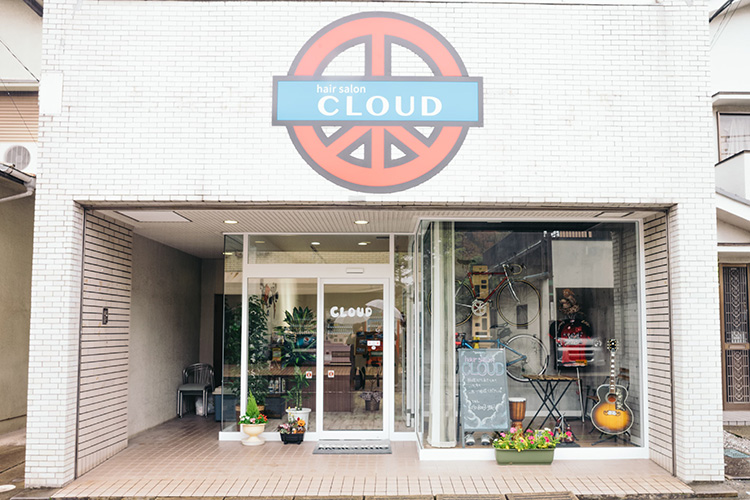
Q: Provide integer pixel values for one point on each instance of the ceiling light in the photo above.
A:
(316, 243)
(228, 253)
(361, 222)
(230, 222)
(363, 243)
(259, 242)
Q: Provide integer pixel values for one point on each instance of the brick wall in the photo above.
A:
(53, 341)
(658, 357)
(170, 102)
(103, 393)
(696, 350)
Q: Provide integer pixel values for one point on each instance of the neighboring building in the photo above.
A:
(20, 65)
(266, 166)
(730, 88)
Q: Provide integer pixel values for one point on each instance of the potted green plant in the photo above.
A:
(292, 432)
(252, 423)
(298, 337)
(293, 396)
(530, 447)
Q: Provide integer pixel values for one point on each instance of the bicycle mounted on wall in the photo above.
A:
(516, 300)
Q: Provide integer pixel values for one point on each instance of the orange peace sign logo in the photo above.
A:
(373, 130)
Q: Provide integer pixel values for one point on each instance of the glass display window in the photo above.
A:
(561, 300)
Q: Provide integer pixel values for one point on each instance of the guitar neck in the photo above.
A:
(612, 372)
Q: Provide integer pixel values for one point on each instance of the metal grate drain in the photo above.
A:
(352, 447)
(554, 495)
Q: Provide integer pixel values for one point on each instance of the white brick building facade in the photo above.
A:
(586, 106)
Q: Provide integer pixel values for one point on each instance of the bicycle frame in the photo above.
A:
(506, 278)
(512, 291)
(463, 344)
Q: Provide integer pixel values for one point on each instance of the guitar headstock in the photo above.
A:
(612, 345)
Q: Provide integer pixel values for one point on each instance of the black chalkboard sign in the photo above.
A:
(483, 390)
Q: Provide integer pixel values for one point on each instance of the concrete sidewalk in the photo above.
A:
(565, 495)
(12, 457)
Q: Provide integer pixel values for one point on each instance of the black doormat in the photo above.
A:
(352, 448)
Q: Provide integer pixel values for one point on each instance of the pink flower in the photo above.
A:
(512, 430)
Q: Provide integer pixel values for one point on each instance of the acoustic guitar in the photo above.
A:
(611, 415)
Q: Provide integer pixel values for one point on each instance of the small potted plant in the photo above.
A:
(293, 396)
(292, 432)
(252, 423)
(530, 447)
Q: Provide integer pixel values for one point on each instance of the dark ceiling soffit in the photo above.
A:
(35, 6)
(5, 176)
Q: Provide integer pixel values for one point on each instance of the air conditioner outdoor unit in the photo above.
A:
(20, 154)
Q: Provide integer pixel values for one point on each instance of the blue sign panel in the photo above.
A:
(442, 101)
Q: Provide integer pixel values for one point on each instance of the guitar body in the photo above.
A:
(611, 415)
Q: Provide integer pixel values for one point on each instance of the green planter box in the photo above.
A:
(527, 457)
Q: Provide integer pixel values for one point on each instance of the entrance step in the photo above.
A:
(713, 490)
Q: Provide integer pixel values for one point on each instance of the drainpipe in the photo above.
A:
(28, 180)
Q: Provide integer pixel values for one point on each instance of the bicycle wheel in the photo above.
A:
(463, 298)
(518, 302)
(525, 355)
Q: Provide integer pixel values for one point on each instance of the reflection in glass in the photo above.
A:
(404, 332)
(226, 400)
(552, 294)
(318, 249)
(281, 343)
(353, 363)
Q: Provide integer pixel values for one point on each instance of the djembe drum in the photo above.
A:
(517, 412)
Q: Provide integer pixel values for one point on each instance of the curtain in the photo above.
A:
(734, 134)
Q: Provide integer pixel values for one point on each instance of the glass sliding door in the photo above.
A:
(301, 331)
(355, 358)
